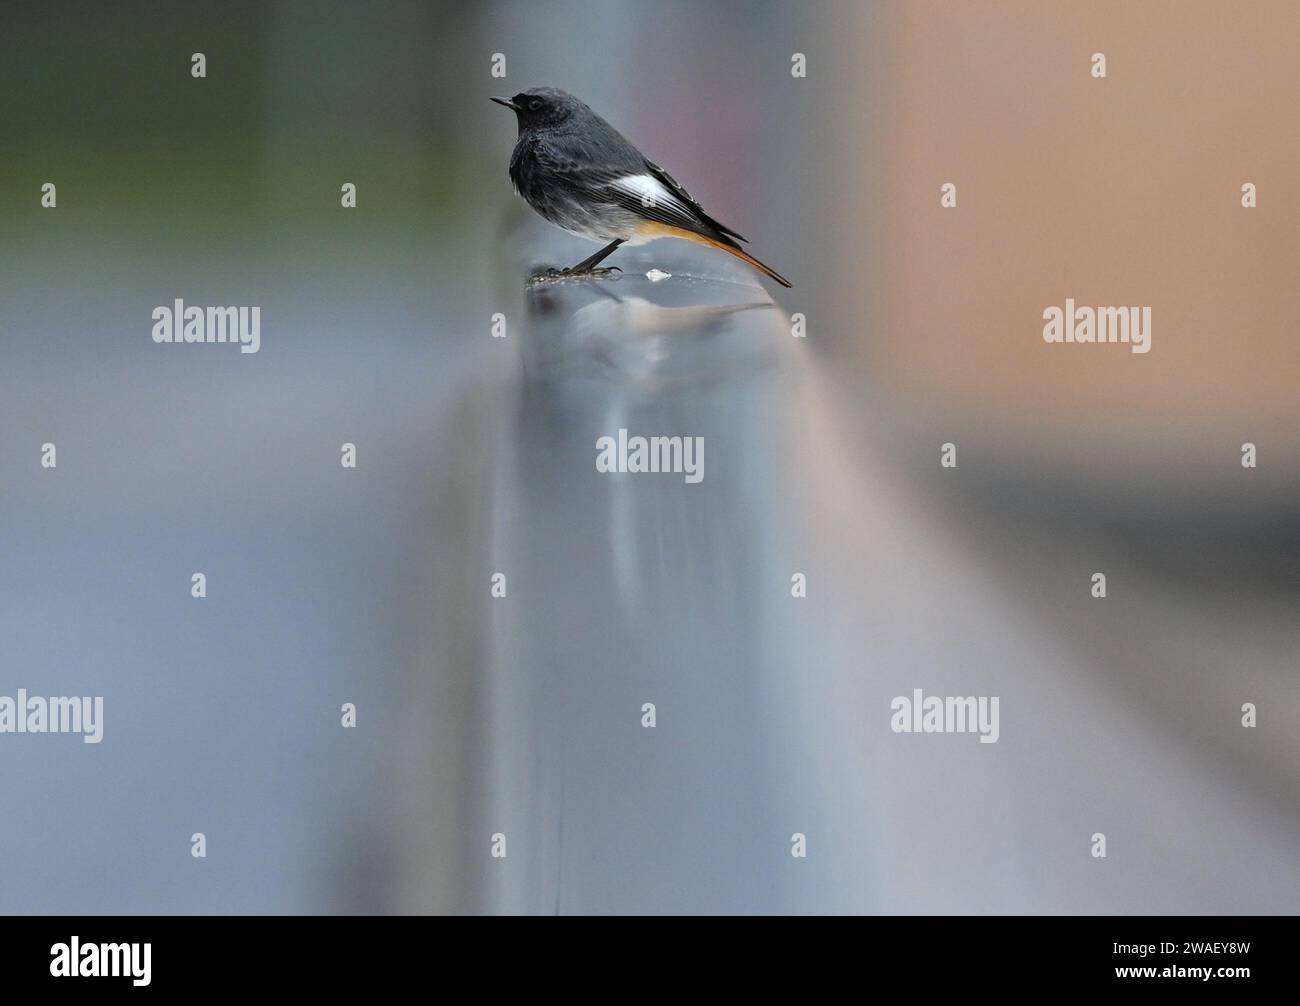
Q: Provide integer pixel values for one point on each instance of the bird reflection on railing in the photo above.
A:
(629, 588)
(633, 338)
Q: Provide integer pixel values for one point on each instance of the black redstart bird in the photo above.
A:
(579, 172)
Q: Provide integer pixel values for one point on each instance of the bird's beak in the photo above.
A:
(508, 103)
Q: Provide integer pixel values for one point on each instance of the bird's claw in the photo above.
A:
(596, 272)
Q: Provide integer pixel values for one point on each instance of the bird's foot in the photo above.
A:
(600, 272)
(594, 272)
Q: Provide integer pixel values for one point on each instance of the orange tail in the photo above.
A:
(653, 230)
(744, 256)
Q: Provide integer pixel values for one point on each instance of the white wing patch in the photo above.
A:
(651, 193)
(649, 198)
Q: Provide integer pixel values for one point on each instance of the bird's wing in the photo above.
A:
(685, 197)
(649, 197)
(636, 184)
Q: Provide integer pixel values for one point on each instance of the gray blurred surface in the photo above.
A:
(476, 455)
(522, 715)
(627, 588)
(1118, 716)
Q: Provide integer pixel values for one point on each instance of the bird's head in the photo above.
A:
(541, 107)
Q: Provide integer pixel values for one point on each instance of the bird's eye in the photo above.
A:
(535, 105)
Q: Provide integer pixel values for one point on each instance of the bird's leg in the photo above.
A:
(588, 265)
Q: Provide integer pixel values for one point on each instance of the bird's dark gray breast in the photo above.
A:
(564, 175)
(538, 174)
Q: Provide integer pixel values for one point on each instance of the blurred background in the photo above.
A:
(522, 715)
